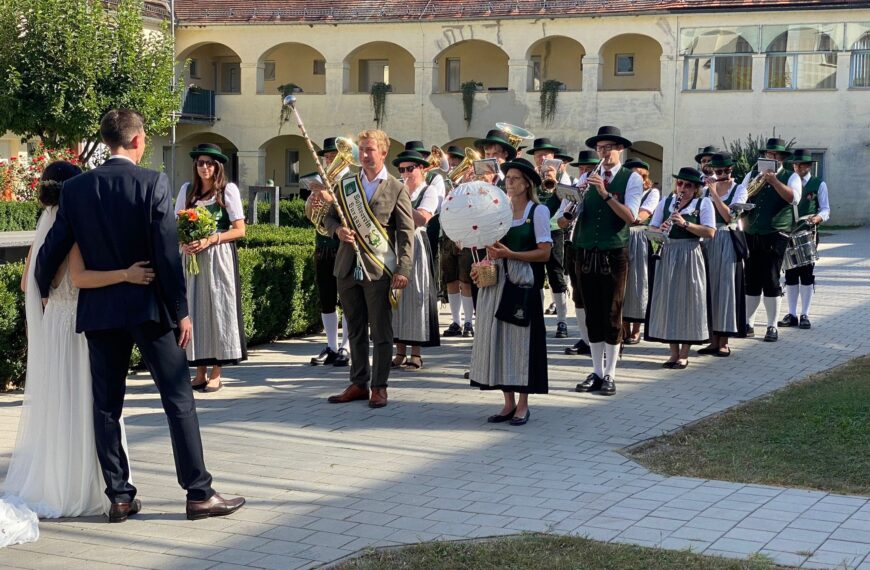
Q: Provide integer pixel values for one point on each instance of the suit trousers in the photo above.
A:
(367, 308)
(110, 358)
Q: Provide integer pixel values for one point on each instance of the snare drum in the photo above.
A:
(801, 249)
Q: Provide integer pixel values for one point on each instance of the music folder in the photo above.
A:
(570, 193)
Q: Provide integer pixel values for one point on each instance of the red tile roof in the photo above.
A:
(271, 11)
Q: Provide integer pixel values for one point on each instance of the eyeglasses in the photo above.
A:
(605, 147)
(403, 169)
(718, 171)
(684, 183)
(205, 163)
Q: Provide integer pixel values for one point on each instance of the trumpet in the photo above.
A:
(461, 169)
(348, 155)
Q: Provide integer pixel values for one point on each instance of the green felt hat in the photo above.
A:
(721, 160)
(800, 155)
(209, 149)
(418, 146)
(525, 167)
(586, 158)
(563, 157)
(498, 137)
(776, 145)
(689, 174)
(636, 163)
(709, 150)
(410, 156)
(456, 151)
(542, 144)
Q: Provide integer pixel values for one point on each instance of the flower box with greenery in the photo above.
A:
(549, 96)
(468, 90)
(379, 92)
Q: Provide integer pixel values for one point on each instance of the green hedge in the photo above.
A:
(290, 213)
(18, 216)
(279, 300)
(266, 235)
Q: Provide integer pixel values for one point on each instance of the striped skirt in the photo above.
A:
(215, 304)
(415, 320)
(505, 356)
(725, 279)
(678, 302)
(637, 284)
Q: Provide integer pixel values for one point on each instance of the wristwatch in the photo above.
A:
(685, 224)
(609, 197)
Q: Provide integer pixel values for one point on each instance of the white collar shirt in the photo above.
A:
(371, 186)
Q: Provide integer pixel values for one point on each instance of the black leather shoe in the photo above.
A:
(608, 386)
(788, 321)
(805, 322)
(119, 512)
(217, 506)
(772, 335)
(515, 421)
(326, 356)
(580, 347)
(591, 384)
(561, 330)
(468, 330)
(498, 418)
(342, 357)
(750, 332)
(453, 330)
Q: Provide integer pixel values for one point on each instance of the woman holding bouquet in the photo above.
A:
(213, 294)
(510, 349)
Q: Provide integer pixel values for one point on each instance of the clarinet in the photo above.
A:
(678, 197)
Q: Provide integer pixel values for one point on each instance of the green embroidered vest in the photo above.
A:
(598, 225)
(809, 204)
(679, 232)
(771, 213)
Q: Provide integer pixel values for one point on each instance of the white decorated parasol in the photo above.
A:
(476, 215)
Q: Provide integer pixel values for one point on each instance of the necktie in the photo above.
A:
(606, 179)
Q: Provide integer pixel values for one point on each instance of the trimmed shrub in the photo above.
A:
(290, 213)
(266, 235)
(13, 335)
(19, 216)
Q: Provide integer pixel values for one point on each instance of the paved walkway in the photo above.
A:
(325, 481)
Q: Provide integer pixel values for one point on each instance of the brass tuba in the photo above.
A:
(461, 169)
(348, 155)
(516, 135)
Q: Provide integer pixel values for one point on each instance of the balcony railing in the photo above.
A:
(198, 107)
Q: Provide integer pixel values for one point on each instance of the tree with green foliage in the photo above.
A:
(746, 153)
(67, 62)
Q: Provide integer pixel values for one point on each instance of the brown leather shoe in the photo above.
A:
(217, 506)
(350, 394)
(379, 398)
(119, 512)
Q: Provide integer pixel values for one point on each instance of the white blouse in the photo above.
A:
(706, 217)
(232, 199)
(541, 221)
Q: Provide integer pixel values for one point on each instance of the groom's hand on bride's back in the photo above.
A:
(185, 330)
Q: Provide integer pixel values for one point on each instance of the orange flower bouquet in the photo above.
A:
(194, 224)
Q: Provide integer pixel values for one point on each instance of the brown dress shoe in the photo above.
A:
(350, 394)
(119, 512)
(217, 506)
(379, 398)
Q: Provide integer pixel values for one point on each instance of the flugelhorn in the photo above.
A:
(461, 169)
(516, 135)
(348, 155)
(437, 160)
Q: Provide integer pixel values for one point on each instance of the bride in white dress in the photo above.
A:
(54, 471)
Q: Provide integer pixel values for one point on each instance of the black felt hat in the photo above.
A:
(776, 145)
(209, 149)
(563, 157)
(608, 133)
(418, 146)
(543, 144)
(525, 167)
(586, 158)
(801, 155)
(328, 146)
(690, 174)
(410, 156)
(456, 151)
(636, 163)
(498, 137)
(721, 160)
(708, 150)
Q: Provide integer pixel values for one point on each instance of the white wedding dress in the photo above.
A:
(54, 471)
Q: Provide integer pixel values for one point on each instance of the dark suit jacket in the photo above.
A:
(391, 205)
(118, 214)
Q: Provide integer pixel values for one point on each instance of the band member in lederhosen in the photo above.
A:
(542, 150)
(678, 301)
(586, 161)
(325, 249)
(814, 203)
(610, 206)
(378, 211)
(639, 252)
(725, 255)
(773, 215)
(415, 319)
(703, 159)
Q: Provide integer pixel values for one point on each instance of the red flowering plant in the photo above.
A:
(194, 224)
(19, 179)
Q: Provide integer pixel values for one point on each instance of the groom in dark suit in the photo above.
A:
(117, 213)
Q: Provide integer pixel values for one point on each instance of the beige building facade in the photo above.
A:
(672, 82)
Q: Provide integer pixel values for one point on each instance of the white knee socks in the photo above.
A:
(806, 299)
(561, 300)
(455, 300)
(580, 315)
(752, 303)
(791, 293)
(771, 307)
(611, 353)
(330, 327)
(597, 349)
(467, 309)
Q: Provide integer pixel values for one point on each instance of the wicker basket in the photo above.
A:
(487, 274)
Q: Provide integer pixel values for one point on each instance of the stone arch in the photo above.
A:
(287, 157)
(642, 51)
(213, 66)
(556, 57)
(379, 61)
(475, 60)
(653, 154)
(183, 161)
(292, 63)
(395, 148)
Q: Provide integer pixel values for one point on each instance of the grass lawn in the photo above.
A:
(543, 552)
(813, 434)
